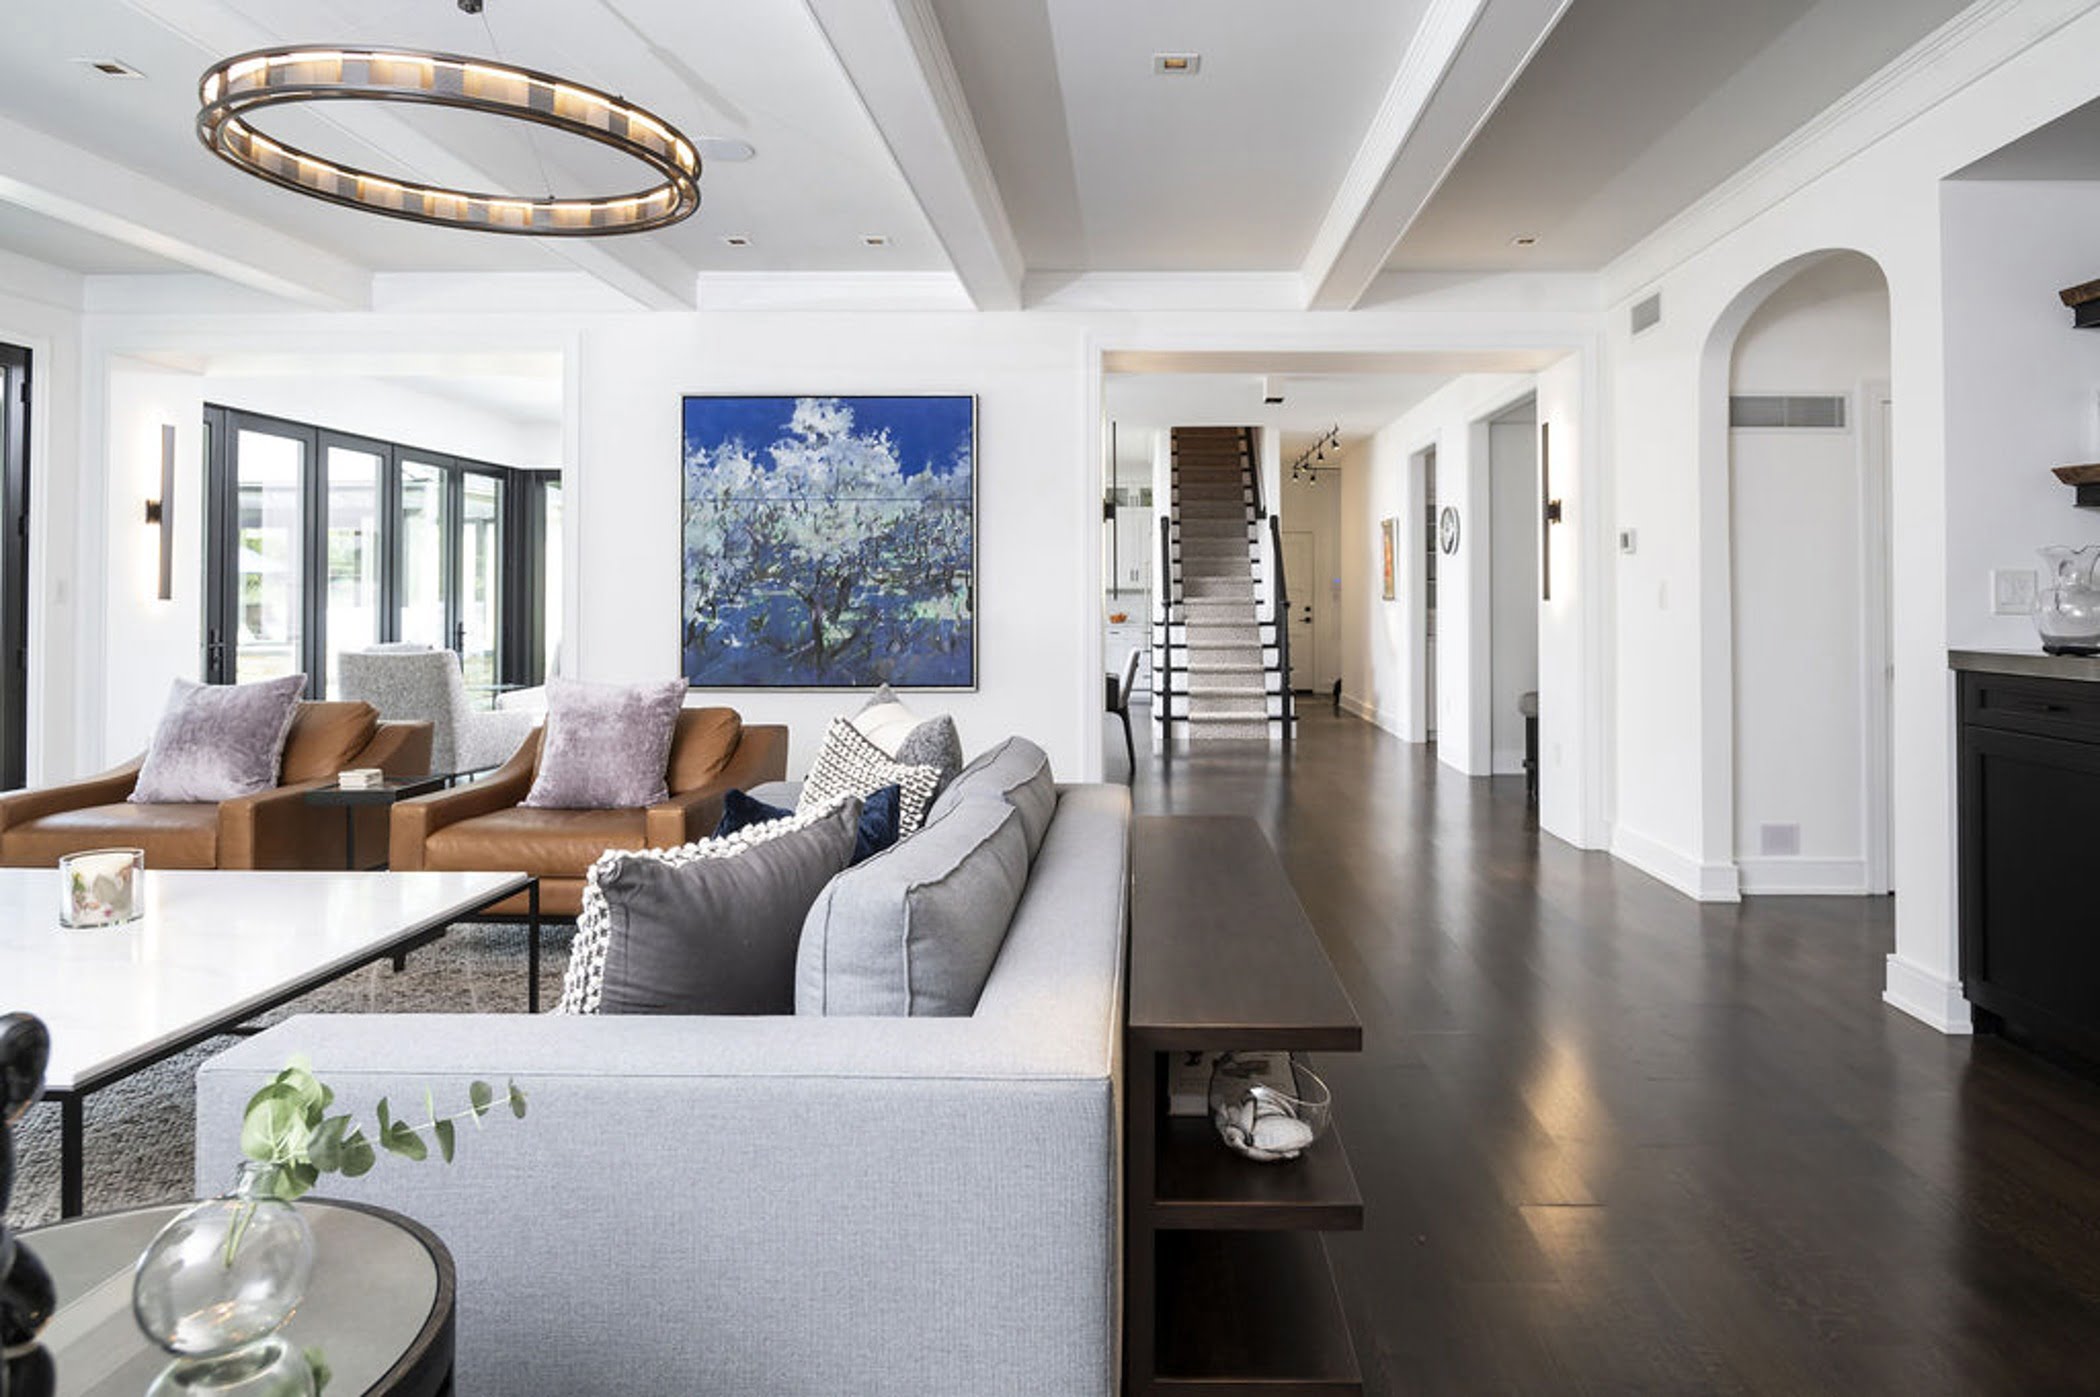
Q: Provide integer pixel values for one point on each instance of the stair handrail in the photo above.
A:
(1163, 655)
(1261, 510)
(1281, 611)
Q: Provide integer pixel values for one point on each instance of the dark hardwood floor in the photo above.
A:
(1613, 1141)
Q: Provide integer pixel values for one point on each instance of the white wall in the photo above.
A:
(1799, 512)
(2023, 389)
(1316, 508)
(397, 411)
(1386, 683)
(1513, 457)
(1867, 178)
(1038, 519)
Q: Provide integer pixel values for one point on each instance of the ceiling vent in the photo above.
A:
(1825, 412)
(1647, 314)
(110, 67)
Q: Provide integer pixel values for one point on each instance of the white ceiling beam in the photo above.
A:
(893, 54)
(59, 180)
(1463, 58)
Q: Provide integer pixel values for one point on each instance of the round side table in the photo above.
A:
(379, 1309)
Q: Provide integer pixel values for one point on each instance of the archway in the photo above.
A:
(1795, 579)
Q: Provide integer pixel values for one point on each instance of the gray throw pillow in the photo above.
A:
(633, 871)
(889, 724)
(219, 741)
(718, 936)
(915, 930)
(1017, 772)
(606, 745)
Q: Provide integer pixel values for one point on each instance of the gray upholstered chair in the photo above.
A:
(408, 683)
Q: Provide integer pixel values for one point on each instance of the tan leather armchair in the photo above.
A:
(271, 829)
(484, 826)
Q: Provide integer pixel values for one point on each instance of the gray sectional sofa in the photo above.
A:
(792, 1205)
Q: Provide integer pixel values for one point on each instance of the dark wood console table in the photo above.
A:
(1227, 1287)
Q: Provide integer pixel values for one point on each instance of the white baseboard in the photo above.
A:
(1374, 715)
(1933, 1000)
(1802, 877)
(1713, 882)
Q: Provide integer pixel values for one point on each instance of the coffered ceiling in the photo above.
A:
(987, 143)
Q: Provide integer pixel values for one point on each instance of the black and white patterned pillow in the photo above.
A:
(850, 764)
(583, 985)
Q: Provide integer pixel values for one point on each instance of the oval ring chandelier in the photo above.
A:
(233, 89)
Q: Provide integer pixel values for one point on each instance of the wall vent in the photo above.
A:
(1779, 841)
(1648, 314)
(1824, 411)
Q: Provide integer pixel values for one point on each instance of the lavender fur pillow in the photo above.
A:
(607, 745)
(219, 741)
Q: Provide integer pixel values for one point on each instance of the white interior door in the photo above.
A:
(1298, 581)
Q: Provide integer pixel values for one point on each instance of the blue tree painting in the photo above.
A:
(830, 542)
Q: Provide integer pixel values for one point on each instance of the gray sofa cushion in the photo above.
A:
(718, 936)
(915, 930)
(219, 741)
(1017, 772)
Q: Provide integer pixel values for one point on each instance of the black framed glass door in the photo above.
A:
(14, 566)
(320, 541)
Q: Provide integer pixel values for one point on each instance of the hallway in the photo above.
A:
(1614, 1141)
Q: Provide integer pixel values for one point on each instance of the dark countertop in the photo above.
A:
(2032, 662)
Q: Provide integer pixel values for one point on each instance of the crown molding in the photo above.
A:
(1163, 291)
(1966, 48)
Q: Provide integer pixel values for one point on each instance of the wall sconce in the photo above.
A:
(1549, 510)
(161, 513)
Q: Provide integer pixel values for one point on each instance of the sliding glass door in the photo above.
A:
(319, 542)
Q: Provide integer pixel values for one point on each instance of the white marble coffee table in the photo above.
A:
(212, 950)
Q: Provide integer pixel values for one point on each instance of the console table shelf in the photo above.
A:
(1227, 1286)
(1198, 1183)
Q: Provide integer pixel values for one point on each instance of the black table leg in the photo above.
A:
(350, 839)
(532, 954)
(71, 1121)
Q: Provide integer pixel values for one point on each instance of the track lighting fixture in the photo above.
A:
(1312, 460)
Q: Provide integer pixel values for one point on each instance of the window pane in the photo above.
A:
(481, 574)
(423, 553)
(353, 554)
(267, 630)
(550, 581)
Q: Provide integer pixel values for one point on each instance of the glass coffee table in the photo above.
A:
(380, 1307)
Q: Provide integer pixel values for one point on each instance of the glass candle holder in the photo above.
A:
(101, 887)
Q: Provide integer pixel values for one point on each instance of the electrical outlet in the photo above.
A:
(2012, 591)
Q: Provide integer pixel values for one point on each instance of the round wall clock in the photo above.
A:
(1447, 530)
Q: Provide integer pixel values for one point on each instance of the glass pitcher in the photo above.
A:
(2067, 609)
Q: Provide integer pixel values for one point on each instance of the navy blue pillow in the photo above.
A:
(740, 811)
(880, 813)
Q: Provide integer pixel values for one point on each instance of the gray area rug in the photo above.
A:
(140, 1131)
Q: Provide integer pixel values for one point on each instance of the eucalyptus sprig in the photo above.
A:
(287, 1124)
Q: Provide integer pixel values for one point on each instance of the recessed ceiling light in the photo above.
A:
(875, 239)
(1524, 240)
(736, 239)
(1181, 65)
(110, 67)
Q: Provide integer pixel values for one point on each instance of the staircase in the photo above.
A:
(1219, 662)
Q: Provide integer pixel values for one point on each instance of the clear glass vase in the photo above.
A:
(217, 1284)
